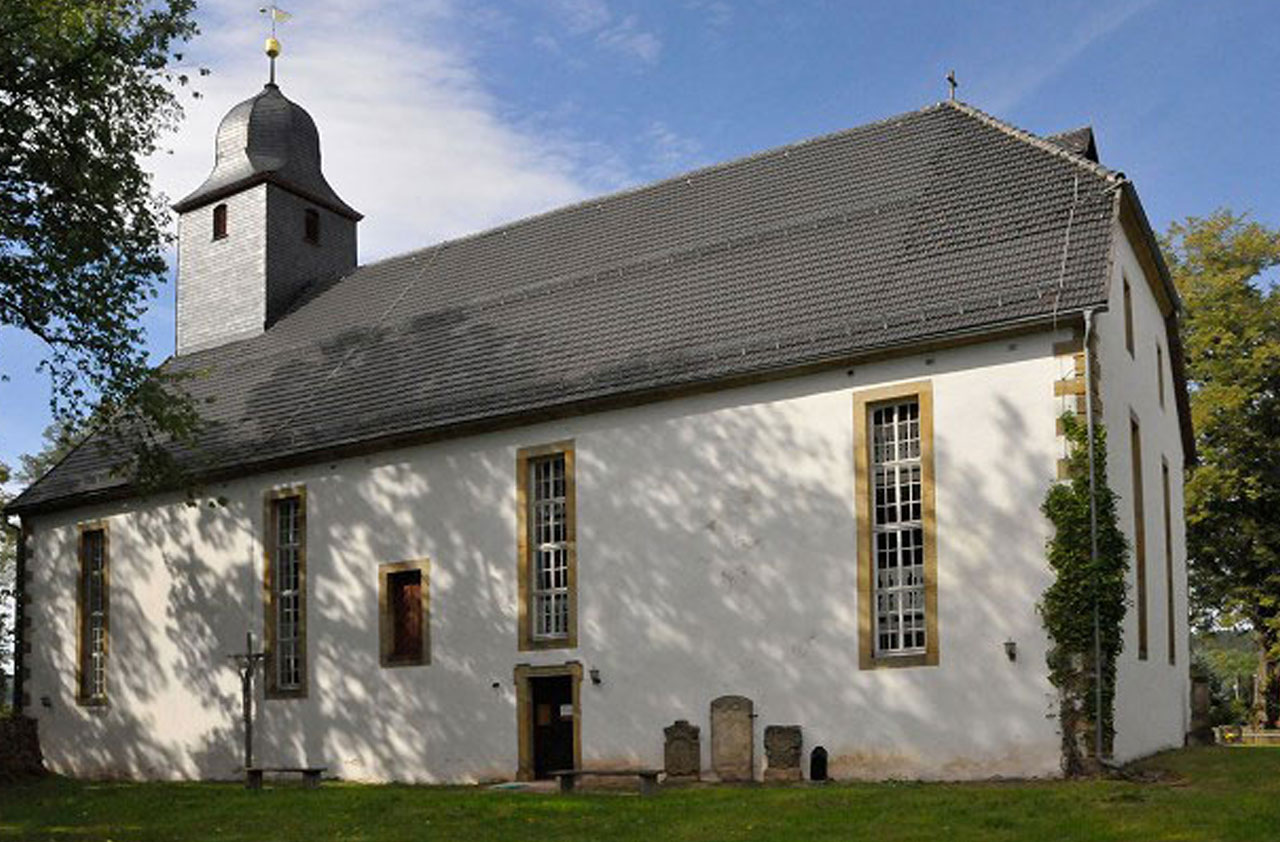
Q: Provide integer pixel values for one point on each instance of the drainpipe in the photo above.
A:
(1093, 537)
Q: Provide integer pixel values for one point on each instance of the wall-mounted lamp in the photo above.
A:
(1011, 650)
(594, 672)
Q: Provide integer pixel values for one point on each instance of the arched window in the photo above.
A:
(220, 221)
(311, 226)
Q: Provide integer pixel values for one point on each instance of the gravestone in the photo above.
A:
(818, 764)
(733, 738)
(782, 753)
(682, 751)
(1201, 733)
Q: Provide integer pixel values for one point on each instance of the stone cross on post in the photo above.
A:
(247, 663)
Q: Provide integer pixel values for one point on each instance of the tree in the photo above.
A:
(8, 569)
(86, 91)
(1231, 336)
(59, 440)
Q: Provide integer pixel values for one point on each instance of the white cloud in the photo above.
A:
(671, 152)
(581, 16)
(626, 37)
(548, 43)
(1104, 22)
(409, 135)
(718, 13)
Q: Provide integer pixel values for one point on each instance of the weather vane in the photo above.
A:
(277, 15)
(951, 80)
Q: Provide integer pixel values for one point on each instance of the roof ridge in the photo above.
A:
(1114, 176)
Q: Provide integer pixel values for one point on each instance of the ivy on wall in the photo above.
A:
(1083, 582)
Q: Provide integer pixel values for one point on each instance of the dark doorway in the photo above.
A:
(553, 725)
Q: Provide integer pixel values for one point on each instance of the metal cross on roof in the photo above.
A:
(951, 80)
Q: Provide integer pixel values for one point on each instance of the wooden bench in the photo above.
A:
(648, 777)
(310, 775)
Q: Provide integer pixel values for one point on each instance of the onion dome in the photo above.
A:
(268, 138)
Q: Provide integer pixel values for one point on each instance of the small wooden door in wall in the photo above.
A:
(553, 724)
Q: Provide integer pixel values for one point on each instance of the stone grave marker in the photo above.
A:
(782, 745)
(733, 738)
(682, 751)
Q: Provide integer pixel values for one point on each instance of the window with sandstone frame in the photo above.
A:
(1139, 534)
(403, 614)
(1160, 374)
(546, 501)
(285, 592)
(896, 526)
(93, 615)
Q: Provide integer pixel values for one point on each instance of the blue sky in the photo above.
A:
(444, 116)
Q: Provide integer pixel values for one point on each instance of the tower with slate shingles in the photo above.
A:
(261, 228)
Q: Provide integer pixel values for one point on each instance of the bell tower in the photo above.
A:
(262, 227)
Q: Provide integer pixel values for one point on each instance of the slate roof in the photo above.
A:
(268, 137)
(1079, 141)
(931, 224)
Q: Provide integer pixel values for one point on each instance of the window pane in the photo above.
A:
(898, 536)
(287, 582)
(550, 531)
(94, 668)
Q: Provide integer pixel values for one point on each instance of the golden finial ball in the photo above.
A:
(273, 48)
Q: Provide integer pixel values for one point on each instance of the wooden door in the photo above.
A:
(553, 724)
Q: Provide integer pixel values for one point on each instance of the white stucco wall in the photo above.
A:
(716, 555)
(1152, 695)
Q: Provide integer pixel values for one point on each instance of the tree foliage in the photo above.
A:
(86, 91)
(1082, 585)
(58, 442)
(1231, 336)
(8, 569)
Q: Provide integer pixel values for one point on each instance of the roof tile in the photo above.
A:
(932, 222)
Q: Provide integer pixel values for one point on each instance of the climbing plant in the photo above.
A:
(1081, 584)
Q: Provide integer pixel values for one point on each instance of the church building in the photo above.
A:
(760, 445)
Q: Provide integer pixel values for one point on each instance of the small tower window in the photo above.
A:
(220, 221)
(311, 226)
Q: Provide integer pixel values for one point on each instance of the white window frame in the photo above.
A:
(549, 541)
(287, 583)
(534, 630)
(284, 594)
(865, 402)
(897, 516)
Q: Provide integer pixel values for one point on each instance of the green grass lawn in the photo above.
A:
(1198, 794)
